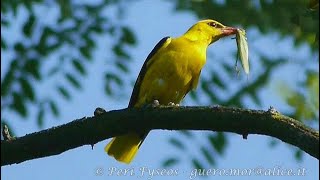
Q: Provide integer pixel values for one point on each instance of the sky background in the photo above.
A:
(151, 21)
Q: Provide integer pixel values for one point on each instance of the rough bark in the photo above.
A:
(90, 130)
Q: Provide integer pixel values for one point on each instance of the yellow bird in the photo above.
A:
(170, 71)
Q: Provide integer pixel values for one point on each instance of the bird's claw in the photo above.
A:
(6, 133)
(99, 111)
(173, 104)
(273, 110)
(155, 103)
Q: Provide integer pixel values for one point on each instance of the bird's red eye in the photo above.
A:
(213, 24)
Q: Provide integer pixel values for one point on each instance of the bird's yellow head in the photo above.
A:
(209, 31)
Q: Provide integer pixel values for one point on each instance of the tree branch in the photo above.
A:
(88, 131)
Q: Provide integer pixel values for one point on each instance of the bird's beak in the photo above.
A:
(227, 31)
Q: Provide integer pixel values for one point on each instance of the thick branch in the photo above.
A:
(88, 131)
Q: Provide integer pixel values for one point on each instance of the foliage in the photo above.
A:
(62, 48)
(286, 18)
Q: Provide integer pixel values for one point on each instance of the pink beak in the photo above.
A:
(227, 31)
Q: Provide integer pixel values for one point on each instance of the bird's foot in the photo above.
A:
(272, 110)
(6, 133)
(173, 104)
(155, 103)
(99, 111)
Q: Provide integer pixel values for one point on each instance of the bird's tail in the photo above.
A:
(124, 148)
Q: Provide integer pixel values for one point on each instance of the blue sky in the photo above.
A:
(151, 21)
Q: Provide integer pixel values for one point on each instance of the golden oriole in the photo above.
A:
(170, 71)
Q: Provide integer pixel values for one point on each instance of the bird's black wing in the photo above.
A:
(136, 89)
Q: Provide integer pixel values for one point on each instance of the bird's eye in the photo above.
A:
(213, 24)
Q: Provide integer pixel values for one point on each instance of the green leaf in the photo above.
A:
(302, 111)
(305, 104)
(28, 5)
(193, 95)
(97, 29)
(108, 89)
(18, 105)
(40, 117)
(112, 30)
(27, 89)
(177, 143)
(65, 9)
(255, 98)
(228, 68)
(273, 143)
(128, 36)
(170, 162)
(206, 88)
(54, 70)
(89, 42)
(29, 25)
(32, 66)
(53, 46)
(122, 67)
(78, 66)
(3, 44)
(218, 142)
(4, 23)
(196, 164)
(54, 108)
(73, 80)
(298, 155)
(64, 92)
(217, 81)
(19, 48)
(207, 155)
(118, 50)
(312, 84)
(47, 32)
(186, 133)
(42, 46)
(7, 81)
(110, 79)
(85, 52)
(113, 78)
